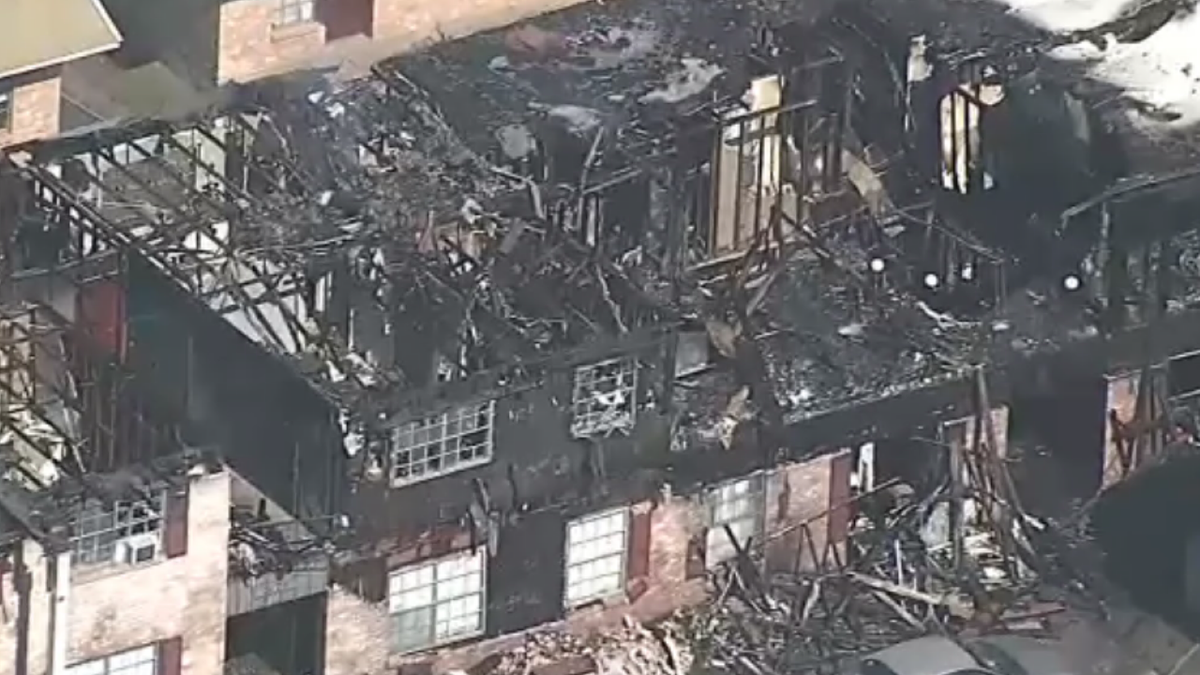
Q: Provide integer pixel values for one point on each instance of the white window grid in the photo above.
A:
(97, 530)
(140, 661)
(740, 504)
(442, 444)
(292, 12)
(596, 552)
(604, 398)
(438, 602)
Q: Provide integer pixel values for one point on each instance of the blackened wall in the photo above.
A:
(536, 462)
(275, 430)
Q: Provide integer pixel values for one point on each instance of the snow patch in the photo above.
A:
(614, 47)
(1162, 71)
(1065, 16)
(692, 78)
(578, 119)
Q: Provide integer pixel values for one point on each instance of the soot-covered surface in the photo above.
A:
(1143, 525)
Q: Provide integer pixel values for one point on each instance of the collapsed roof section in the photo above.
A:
(355, 231)
(474, 212)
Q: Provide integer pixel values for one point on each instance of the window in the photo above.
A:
(126, 532)
(440, 444)
(140, 661)
(603, 400)
(6, 109)
(437, 602)
(596, 556)
(292, 12)
(740, 504)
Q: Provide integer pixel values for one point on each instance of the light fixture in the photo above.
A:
(967, 272)
(932, 280)
(1071, 282)
(878, 265)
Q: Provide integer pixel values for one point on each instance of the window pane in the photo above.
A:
(603, 398)
(414, 629)
(596, 556)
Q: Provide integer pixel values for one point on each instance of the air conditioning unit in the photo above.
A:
(136, 549)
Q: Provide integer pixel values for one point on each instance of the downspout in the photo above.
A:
(21, 585)
(60, 612)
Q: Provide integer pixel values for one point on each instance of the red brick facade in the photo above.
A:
(177, 602)
(35, 106)
(250, 47)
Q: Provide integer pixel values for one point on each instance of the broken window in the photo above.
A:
(293, 12)
(437, 602)
(140, 661)
(437, 445)
(127, 532)
(604, 396)
(740, 504)
(596, 547)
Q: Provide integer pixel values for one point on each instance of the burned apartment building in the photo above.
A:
(540, 326)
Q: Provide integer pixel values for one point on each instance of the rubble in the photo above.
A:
(952, 557)
(633, 649)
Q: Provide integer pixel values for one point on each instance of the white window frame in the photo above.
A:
(7, 101)
(139, 661)
(294, 13)
(589, 414)
(740, 503)
(446, 589)
(100, 533)
(442, 436)
(597, 548)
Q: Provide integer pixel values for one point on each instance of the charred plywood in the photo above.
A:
(526, 584)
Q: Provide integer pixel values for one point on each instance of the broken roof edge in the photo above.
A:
(508, 379)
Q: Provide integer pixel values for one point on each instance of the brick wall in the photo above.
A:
(798, 507)
(38, 644)
(357, 634)
(415, 22)
(177, 597)
(35, 101)
(250, 46)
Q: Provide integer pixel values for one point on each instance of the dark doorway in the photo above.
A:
(287, 639)
(345, 18)
(1146, 528)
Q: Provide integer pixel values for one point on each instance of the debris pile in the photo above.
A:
(954, 557)
(631, 650)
